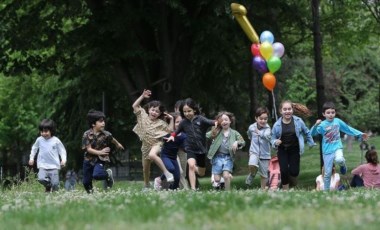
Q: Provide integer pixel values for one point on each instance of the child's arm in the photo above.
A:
(315, 129)
(307, 133)
(33, 153)
(62, 152)
(136, 104)
(117, 144)
(351, 131)
(102, 152)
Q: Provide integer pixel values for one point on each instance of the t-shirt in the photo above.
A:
(334, 181)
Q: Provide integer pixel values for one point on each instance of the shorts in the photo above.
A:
(221, 163)
(200, 159)
(145, 149)
(261, 164)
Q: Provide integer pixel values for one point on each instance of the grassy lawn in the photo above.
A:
(126, 207)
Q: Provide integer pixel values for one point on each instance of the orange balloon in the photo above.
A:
(269, 81)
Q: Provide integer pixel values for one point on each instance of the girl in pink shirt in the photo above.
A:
(367, 175)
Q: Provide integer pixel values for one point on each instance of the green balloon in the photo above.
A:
(274, 64)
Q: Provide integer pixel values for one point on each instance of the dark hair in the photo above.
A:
(371, 157)
(93, 116)
(190, 103)
(261, 110)
(328, 105)
(178, 104)
(47, 124)
(158, 104)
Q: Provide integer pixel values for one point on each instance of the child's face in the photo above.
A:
(329, 114)
(177, 121)
(224, 121)
(287, 110)
(188, 112)
(45, 133)
(154, 113)
(99, 125)
(262, 120)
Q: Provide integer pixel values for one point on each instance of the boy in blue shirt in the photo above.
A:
(332, 147)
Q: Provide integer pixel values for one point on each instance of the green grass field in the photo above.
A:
(126, 207)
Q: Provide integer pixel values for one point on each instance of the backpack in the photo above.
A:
(274, 175)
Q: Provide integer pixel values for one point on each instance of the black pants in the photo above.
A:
(289, 159)
(357, 181)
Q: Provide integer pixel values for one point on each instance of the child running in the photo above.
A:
(332, 147)
(50, 150)
(96, 143)
(259, 152)
(225, 142)
(169, 155)
(195, 126)
(151, 128)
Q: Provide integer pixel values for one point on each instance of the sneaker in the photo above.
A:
(249, 180)
(157, 184)
(169, 177)
(343, 169)
(109, 180)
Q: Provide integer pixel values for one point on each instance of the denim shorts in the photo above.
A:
(222, 162)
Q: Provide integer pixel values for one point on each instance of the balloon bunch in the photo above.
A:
(267, 58)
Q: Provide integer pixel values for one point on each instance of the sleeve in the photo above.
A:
(307, 133)
(249, 132)
(349, 130)
(207, 121)
(266, 134)
(61, 150)
(208, 135)
(315, 130)
(34, 150)
(275, 136)
(358, 170)
(240, 140)
(85, 141)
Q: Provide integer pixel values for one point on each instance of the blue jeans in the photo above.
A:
(222, 162)
(91, 171)
(328, 161)
(173, 167)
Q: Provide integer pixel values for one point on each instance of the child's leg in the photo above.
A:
(176, 173)
(192, 169)
(263, 171)
(146, 172)
(44, 179)
(200, 167)
(252, 168)
(339, 159)
(54, 179)
(182, 167)
(88, 169)
(153, 155)
(227, 180)
(328, 160)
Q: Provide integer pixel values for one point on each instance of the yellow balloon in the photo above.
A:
(266, 50)
(239, 12)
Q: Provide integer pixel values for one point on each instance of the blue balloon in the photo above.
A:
(267, 36)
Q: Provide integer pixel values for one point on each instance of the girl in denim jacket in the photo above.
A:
(288, 138)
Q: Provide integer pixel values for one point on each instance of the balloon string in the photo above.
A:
(274, 105)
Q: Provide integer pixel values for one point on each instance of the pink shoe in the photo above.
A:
(157, 184)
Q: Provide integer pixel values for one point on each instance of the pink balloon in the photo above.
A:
(278, 49)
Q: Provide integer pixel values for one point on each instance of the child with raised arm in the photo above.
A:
(96, 143)
(225, 142)
(332, 147)
(151, 128)
(260, 150)
(288, 138)
(50, 149)
(195, 126)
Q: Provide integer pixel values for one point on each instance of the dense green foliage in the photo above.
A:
(61, 58)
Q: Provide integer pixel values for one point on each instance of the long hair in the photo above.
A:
(298, 109)
(371, 157)
(190, 103)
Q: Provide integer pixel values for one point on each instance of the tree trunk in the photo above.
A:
(321, 98)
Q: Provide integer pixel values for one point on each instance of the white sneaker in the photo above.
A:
(169, 177)
(249, 180)
(109, 180)
(157, 184)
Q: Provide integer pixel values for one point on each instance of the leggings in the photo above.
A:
(289, 159)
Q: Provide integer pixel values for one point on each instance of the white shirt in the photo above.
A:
(334, 180)
(49, 151)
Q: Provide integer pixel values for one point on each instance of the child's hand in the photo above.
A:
(318, 122)
(277, 142)
(234, 146)
(147, 93)
(31, 162)
(63, 163)
(171, 138)
(365, 137)
(105, 151)
(168, 116)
